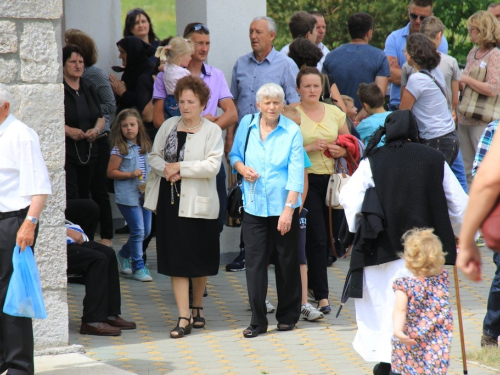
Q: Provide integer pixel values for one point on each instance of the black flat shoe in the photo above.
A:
(179, 332)
(285, 327)
(253, 331)
(198, 319)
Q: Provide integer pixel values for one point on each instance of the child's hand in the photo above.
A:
(136, 173)
(404, 338)
(161, 67)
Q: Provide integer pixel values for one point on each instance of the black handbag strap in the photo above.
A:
(436, 82)
(239, 177)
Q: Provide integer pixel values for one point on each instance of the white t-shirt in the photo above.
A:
(431, 106)
(173, 73)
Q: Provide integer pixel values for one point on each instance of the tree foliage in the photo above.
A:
(389, 15)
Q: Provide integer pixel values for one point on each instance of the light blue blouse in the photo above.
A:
(279, 161)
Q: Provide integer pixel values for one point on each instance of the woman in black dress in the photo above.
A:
(83, 122)
(186, 157)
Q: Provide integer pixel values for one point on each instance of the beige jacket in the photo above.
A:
(202, 161)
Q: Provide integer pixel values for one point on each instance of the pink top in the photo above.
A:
(492, 60)
(173, 73)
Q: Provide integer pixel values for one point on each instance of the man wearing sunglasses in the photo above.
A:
(396, 42)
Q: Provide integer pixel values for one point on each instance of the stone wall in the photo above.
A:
(30, 64)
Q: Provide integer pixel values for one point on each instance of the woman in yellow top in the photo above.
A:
(321, 124)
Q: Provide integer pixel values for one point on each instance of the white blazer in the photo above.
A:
(202, 161)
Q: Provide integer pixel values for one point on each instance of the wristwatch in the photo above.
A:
(291, 205)
(33, 219)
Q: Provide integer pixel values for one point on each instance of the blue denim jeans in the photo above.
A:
(491, 324)
(139, 222)
(459, 170)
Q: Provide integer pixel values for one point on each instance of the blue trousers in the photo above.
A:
(491, 324)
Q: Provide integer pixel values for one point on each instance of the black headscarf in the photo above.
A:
(399, 127)
(138, 53)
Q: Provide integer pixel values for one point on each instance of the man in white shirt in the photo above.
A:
(23, 190)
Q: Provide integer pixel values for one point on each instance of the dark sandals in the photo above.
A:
(253, 331)
(198, 319)
(179, 332)
(285, 327)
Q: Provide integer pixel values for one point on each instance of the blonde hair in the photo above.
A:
(176, 47)
(488, 26)
(347, 99)
(423, 253)
(117, 138)
(431, 26)
(292, 113)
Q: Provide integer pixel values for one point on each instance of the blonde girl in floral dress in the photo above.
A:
(422, 318)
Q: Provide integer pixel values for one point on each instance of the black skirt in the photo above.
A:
(186, 247)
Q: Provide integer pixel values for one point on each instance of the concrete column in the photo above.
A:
(228, 21)
(102, 21)
(30, 64)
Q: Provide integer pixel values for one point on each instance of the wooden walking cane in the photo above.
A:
(459, 307)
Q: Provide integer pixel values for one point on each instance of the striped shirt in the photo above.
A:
(142, 164)
(249, 75)
(77, 228)
(484, 145)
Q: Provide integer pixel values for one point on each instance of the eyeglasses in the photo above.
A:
(471, 29)
(199, 27)
(414, 16)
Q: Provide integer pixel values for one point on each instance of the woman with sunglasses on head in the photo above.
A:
(484, 30)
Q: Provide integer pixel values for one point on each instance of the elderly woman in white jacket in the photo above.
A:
(186, 157)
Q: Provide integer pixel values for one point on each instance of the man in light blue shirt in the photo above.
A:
(396, 42)
(263, 65)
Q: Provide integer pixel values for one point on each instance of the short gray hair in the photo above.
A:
(270, 90)
(271, 25)
(5, 95)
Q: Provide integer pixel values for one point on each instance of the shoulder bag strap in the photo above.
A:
(436, 82)
(239, 177)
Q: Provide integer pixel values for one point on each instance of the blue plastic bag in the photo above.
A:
(24, 295)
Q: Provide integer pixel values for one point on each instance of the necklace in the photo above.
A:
(172, 186)
(253, 186)
(77, 92)
(78, 155)
(482, 57)
(194, 127)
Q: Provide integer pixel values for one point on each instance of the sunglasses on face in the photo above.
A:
(414, 16)
(136, 10)
(199, 27)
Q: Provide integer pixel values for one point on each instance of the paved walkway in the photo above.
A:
(322, 347)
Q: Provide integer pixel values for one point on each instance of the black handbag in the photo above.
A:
(235, 195)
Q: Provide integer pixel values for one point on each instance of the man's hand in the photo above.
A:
(26, 235)
(75, 236)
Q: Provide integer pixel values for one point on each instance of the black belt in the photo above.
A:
(20, 213)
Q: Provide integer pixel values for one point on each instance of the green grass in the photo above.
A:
(489, 356)
(162, 13)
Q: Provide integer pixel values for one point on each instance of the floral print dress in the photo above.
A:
(429, 321)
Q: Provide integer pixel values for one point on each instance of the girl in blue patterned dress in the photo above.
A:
(422, 318)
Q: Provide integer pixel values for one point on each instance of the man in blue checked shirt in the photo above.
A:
(263, 65)
(491, 323)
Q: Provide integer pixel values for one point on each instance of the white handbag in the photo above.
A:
(335, 185)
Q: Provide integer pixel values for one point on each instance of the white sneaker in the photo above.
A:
(310, 313)
(270, 308)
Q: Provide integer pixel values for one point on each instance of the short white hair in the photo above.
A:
(270, 90)
(271, 25)
(5, 95)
